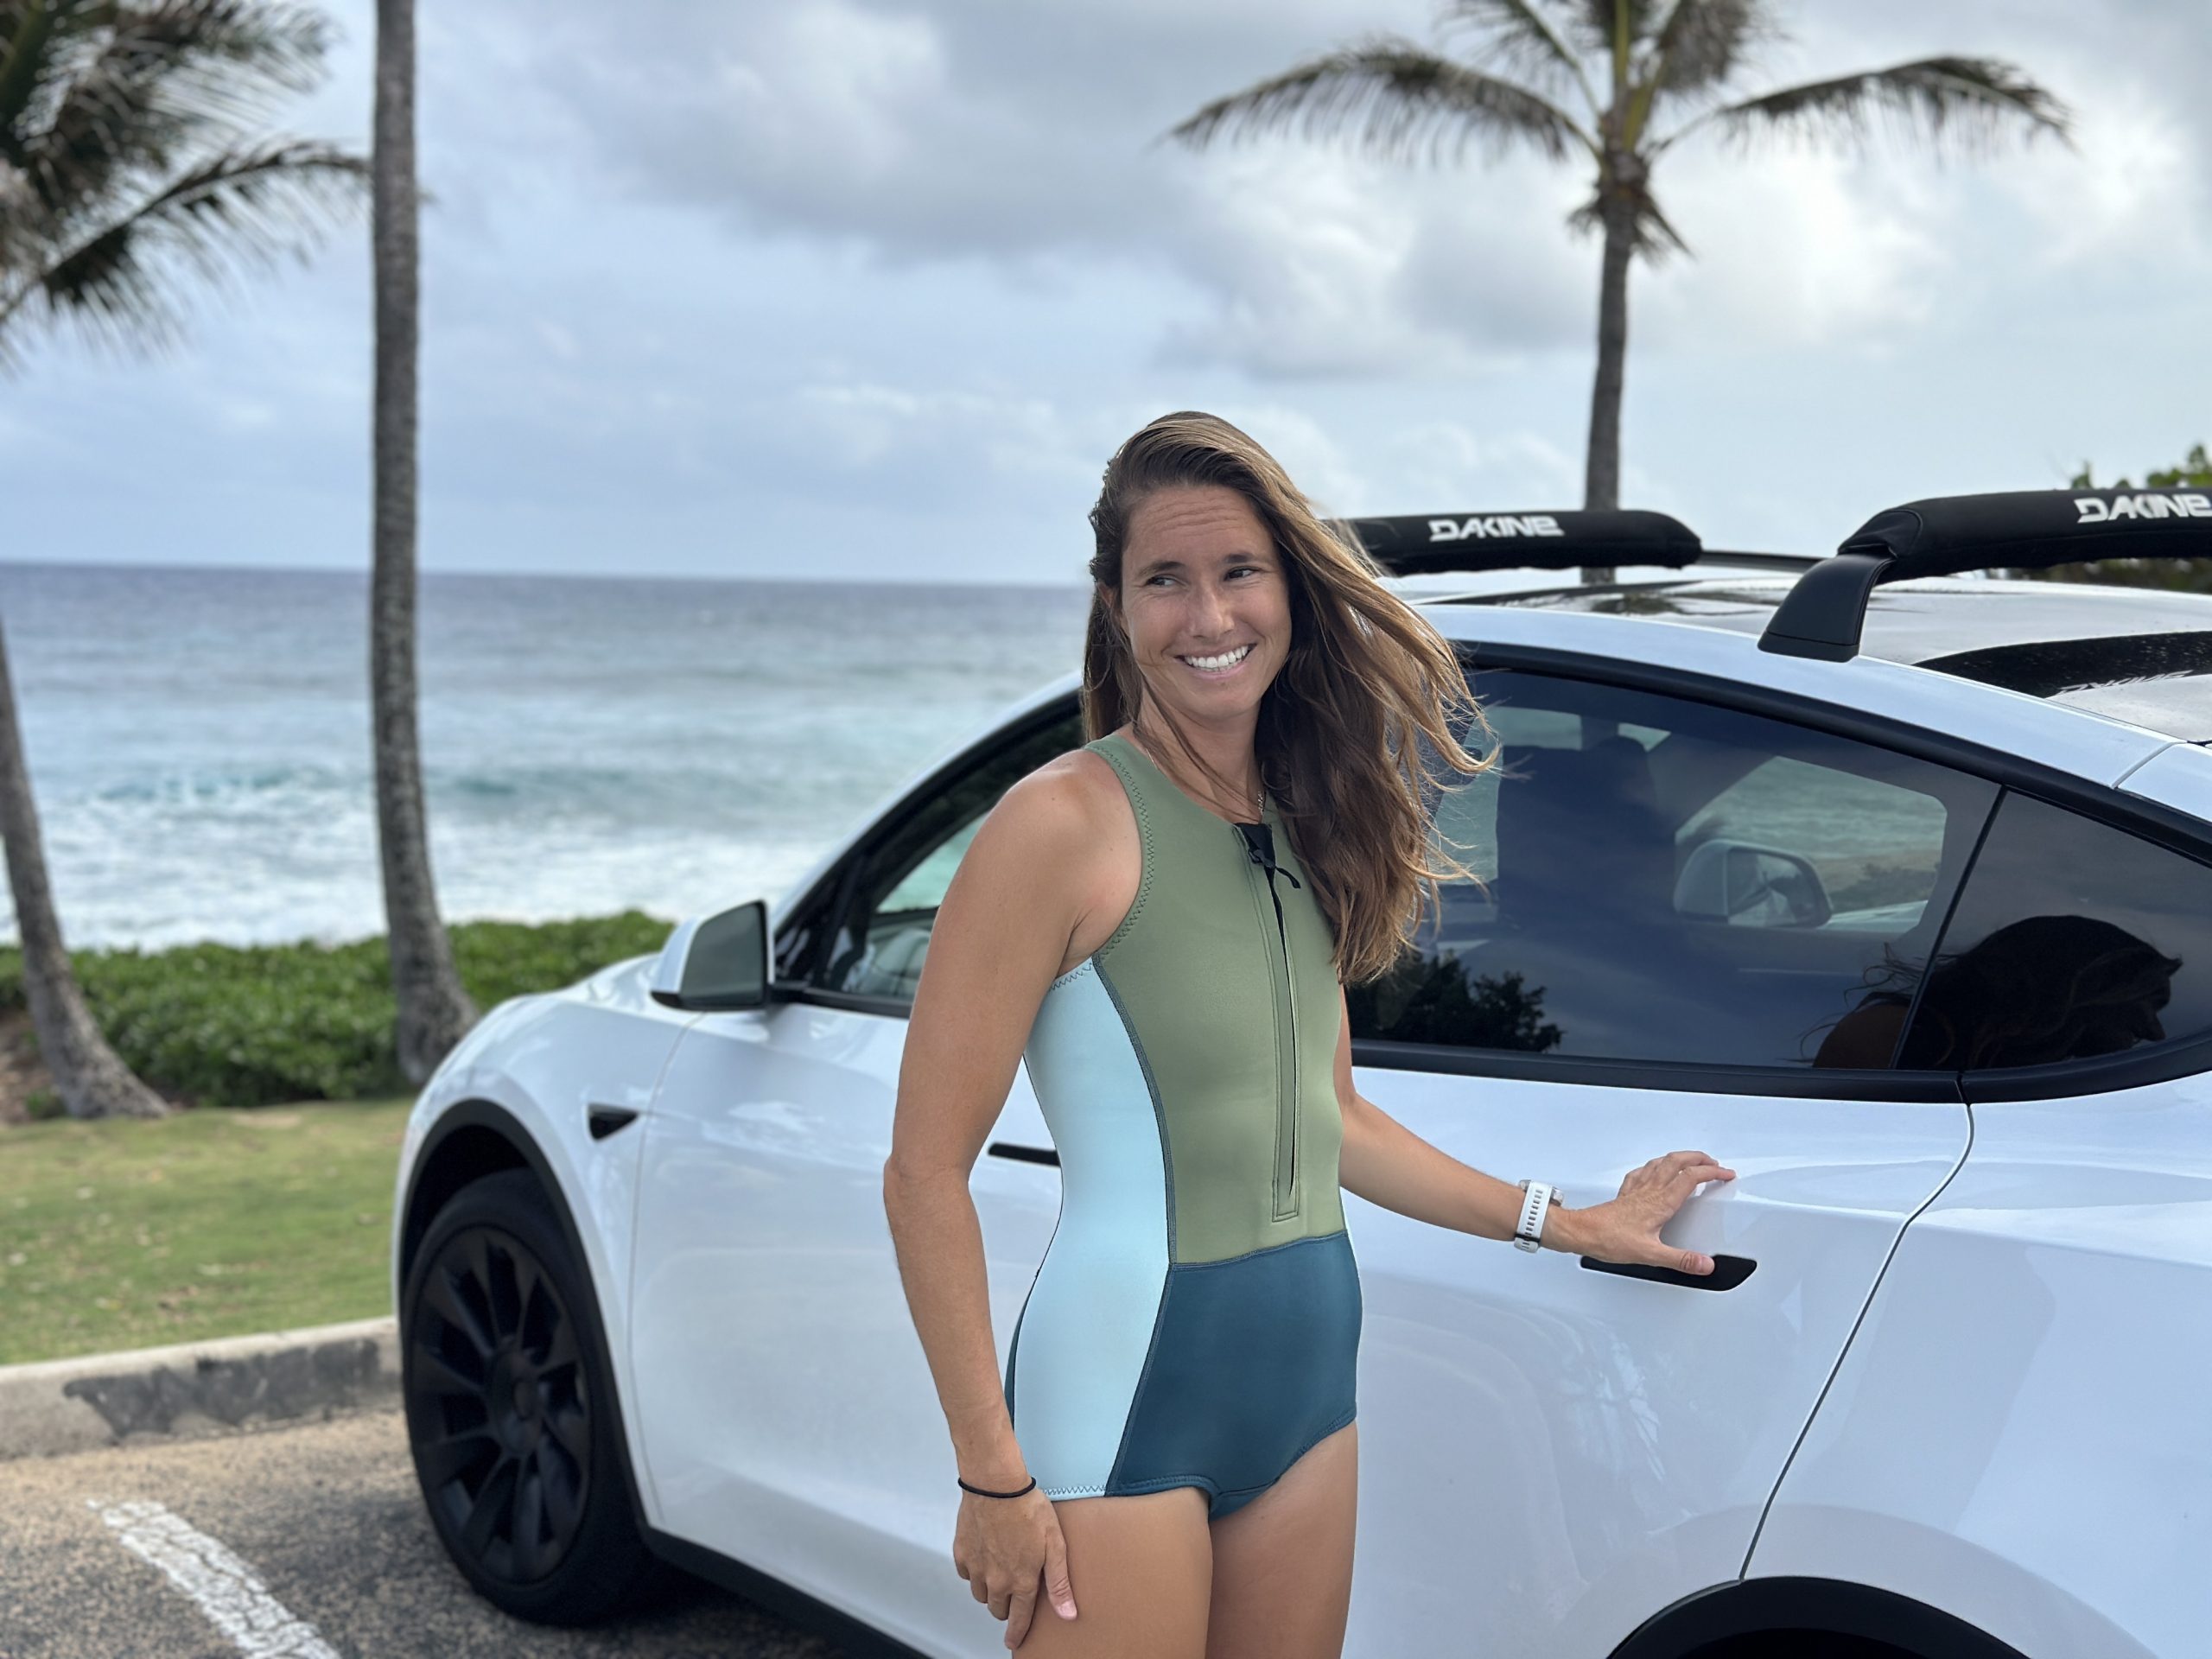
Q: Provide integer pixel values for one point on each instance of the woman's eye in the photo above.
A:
(1234, 570)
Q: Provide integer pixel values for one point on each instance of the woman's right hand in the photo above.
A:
(1005, 1548)
(1626, 1229)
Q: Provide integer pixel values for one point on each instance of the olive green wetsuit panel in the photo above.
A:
(1235, 1010)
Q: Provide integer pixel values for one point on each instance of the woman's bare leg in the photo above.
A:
(1142, 1567)
(1282, 1564)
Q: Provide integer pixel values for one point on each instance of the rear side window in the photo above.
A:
(2072, 940)
(1669, 880)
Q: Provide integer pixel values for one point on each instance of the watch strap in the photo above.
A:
(1535, 1206)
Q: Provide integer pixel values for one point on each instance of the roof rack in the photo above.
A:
(1825, 613)
(1463, 543)
(1421, 544)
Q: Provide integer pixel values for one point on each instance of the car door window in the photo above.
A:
(2072, 940)
(903, 872)
(1670, 880)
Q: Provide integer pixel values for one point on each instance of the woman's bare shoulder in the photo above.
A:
(1062, 845)
(1097, 859)
(1071, 801)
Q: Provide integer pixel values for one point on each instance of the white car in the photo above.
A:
(1890, 889)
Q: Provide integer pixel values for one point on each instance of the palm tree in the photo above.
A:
(130, 162)
(1615, 85)
(435, 1011)
(130, 158)
(89, 1076)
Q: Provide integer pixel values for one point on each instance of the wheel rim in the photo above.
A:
(498, 1408)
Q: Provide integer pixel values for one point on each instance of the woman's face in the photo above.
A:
(1201, 581)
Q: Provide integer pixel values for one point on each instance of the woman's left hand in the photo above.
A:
(1626, 1230)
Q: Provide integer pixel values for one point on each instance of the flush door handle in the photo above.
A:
(1728, 1272)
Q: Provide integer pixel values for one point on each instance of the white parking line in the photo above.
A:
(236, 1602)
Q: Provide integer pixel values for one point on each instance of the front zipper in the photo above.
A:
(1282, 986)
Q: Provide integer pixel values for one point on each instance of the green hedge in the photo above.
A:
(221, 1025)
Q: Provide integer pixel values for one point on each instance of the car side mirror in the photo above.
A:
(1736, 882)
(716, 963)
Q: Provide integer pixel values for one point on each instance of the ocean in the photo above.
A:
(199, 739)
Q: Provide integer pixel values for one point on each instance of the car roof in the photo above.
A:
(2140, 655)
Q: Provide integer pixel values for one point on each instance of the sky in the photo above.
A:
(870, 290)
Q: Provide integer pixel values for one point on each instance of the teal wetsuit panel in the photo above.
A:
(1195, 1318)
(1253, 1362)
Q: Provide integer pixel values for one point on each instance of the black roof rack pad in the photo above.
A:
(1420, 544)
(1825, 613)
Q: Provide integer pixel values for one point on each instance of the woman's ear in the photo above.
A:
(1111, 602)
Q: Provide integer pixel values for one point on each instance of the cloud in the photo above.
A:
(837, 287)
(1792, 250)
(1027, 138)
(932, 448)
(1306, 270)
(893, 127)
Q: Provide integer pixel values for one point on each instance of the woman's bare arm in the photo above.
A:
(1386, 1163)
(997, 942)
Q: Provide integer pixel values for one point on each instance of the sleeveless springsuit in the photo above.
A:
(1196, 1318)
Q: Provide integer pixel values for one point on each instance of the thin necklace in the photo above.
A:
(1259, 799)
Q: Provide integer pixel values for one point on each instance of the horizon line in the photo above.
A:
(1077, 583)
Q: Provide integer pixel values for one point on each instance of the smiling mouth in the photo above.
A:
(1220, 663)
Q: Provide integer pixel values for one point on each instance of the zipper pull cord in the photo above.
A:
(1260, 849)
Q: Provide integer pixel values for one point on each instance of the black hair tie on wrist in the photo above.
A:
(979, 1492)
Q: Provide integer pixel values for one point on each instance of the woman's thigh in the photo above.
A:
(1282, 1564)
(1142, 1567)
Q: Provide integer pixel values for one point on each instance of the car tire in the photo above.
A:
(1801, 1644)
(511, 1416)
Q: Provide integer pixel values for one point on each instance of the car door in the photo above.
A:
(2045, 1480)
(790, 1419)
(1696, 928)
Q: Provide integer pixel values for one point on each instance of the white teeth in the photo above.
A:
(1226, 660)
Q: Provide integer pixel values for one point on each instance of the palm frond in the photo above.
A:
(1973, 99)
(1596, 22)
(1393, 100)
(23, 223)
(119, 281)
(162, 78)
(1702, 43)
(1518, 37)
(28, 30)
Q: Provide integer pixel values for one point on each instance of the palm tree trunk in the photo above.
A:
(1602, 481)
(90, 1078)
(434, 1011)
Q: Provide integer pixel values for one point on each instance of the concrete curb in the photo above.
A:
(197, 1389)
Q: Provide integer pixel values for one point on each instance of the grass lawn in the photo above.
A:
(211, 1223)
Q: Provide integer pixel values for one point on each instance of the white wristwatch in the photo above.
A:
(1529, 1231)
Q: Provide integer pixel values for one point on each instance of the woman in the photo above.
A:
(1161, 922)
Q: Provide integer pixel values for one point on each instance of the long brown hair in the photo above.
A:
(1340, 731)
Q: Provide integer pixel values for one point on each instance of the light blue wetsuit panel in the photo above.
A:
(1088, 1323)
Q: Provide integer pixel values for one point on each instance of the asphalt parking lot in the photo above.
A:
(294, 1543)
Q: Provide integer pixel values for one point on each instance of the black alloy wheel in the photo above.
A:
(508, 1413)
(496, 1369)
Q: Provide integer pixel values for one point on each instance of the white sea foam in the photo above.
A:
(199, 741)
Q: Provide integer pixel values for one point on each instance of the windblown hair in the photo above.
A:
(1367, 687)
